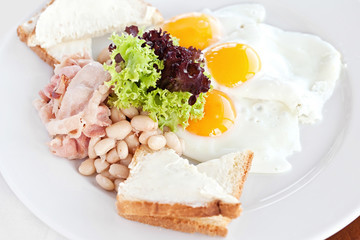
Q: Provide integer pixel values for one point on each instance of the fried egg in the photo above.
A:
(265, 82)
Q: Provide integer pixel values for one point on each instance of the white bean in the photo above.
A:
(112, 156)
(143, 123)
(117, 182)
(103, 146)
(133, 142)
(172, 141)
(100, 165)
(122, 149)
(108, 175)
(119, 130)
(91, 150)
(156, 142)
(182, 144)
(104, 182)
(166, 129)
(145, 113)
(104, 55)
(116, 115)
(108, 62)
(119, 171)
(144, 136)
(103, 157)
(130, 112)
(87, 167)
(127, 160)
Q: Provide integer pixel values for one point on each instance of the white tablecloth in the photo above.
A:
(16, 221)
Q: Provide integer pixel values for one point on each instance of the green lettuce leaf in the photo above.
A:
(135, 85)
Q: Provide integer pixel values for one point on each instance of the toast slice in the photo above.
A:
(164, 184)
(66, 27)
(231, 172)
(213, 226)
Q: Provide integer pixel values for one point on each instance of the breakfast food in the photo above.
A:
(164, 79)
(179, 204)
(71, 106)
(74, 26)
(212, 84)
(266, 81)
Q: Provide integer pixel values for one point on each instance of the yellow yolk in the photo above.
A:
(232, 63)
(194, 29)
(219, 116)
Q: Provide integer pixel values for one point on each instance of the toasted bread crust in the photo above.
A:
(41, 52)
(189, 225)
(144, 208)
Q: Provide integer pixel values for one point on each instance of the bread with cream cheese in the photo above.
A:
(66, 27)
(229, 172)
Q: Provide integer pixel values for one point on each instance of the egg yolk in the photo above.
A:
(232, 63)
(194, 29)
(218, 118)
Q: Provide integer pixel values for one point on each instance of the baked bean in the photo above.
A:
(144, 136)
(91, 150)
(127, 160)
(173, 142)
(104, 145)
(104, 55)
(119, 130)
(100, 165)
(156, 142)
(116, 115)
(133, 142)
(122, 149)
(119, 171)
(143, 123)
(87, 167)
(130, 112)
(104, 182)
(112, 156)
(117, 182)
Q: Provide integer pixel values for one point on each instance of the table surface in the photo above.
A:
(16, 221)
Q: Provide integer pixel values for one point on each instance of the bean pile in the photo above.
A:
(110, 156)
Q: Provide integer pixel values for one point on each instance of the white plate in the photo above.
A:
(314, 200)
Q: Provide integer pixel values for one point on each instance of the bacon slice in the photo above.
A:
(70, 148)
(72, 106)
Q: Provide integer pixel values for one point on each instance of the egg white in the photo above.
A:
(266, 127)
(298, 69)
(298, 75)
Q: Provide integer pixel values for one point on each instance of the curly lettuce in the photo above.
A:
(135, 71)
